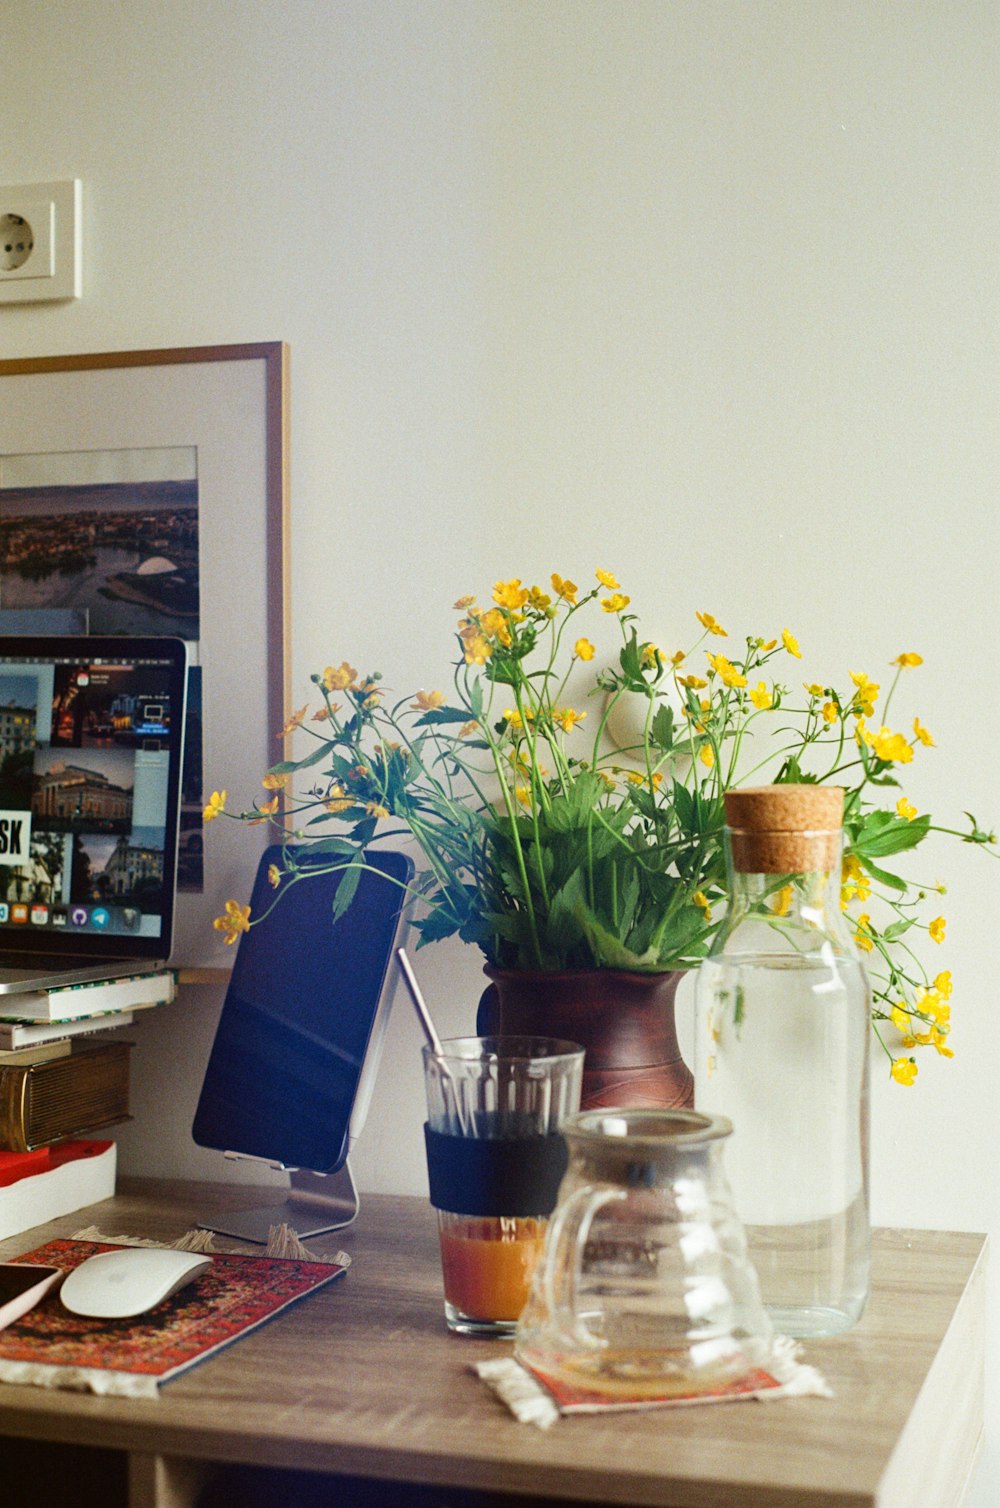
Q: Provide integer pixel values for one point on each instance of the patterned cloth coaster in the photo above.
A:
(50, 1347)
(533, 1397)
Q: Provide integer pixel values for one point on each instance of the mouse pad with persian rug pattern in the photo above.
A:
(50, 1347)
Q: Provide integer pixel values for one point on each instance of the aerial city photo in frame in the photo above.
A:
(108, 535)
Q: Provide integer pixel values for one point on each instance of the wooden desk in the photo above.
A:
(362, 1379)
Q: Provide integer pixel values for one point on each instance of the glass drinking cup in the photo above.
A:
(495, 1159)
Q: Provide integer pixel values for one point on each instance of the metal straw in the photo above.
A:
(434, 1041)
(418, 1001)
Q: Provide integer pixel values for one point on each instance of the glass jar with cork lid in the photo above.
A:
(781, 1048)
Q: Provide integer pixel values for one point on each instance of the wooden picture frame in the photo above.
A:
(105, 415)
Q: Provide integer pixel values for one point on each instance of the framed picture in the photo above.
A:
(146, 492)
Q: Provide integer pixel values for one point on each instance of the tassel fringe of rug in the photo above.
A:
(282, 1242)
(531, 1402)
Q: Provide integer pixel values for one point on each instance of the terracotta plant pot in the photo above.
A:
(624, 1020)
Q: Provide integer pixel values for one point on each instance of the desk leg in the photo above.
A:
(165, 1481)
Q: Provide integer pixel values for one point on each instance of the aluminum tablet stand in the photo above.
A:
(314, 1203)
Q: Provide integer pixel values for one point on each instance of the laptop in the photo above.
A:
(91, 742)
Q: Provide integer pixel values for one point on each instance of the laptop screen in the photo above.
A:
(90, 754)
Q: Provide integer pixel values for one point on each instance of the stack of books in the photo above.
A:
(61, 1077)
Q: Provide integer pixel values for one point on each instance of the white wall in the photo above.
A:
(703, 294)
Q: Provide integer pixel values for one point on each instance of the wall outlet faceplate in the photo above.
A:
(40, 242)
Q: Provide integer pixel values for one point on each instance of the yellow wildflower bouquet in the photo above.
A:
(553, 848)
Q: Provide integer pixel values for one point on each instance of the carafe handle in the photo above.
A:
(568, 1231)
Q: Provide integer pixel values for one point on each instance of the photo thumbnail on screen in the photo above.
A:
(84, 787)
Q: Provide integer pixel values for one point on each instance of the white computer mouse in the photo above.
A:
(117, 1284)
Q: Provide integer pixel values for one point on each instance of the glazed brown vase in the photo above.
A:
(624, 1020)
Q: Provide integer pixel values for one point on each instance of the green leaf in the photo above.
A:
(608, 951)
(684, 807)
(661, 731)
(346, 890)
(442, 715)
(332, 845)
(883, 833)
(882, 875)
(435, 926)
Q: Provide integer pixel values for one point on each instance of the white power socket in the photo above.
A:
(40, 242)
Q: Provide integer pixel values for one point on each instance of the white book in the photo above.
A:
(84, 1174)
(26, 1033)
(70, 1002)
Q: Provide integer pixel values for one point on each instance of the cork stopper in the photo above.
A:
(785, 829)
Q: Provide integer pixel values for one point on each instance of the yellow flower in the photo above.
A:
(583, 649)
(813, 689)
(564, 589)
(781, 903)
(463, 603)
(892, 747)
(635, 778)
(467, 728)
(426, 701)
(376, 809)
(830, 711)
(905, 809)
(606, 579)
(791, 643)
(862, 936)
(904, 1070)
(475, 646)
(265, 811)
(942, 984)
(324, 713)
(940, 1040)
(510, 594)
(908, 661)
(337, 800)
(273, 876)
(514, 718)
(294, 721)
(855, 883)
(216, 805)
(538, 599)
(866, 694)
(707, 755)
(274, 782)
(726, 671)
(617, 603)
(900, 1017)
(234, 920)
(567, 718)
(339, 678)
(649, 654)
(494, 623)
(936, 929)
(922, 733)
(693, 682)
(700, 899)
(523, 795)
(762, 698)
(712, 624)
